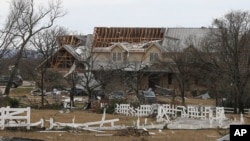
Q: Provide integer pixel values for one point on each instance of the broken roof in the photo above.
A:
(105, 36)
(130, 47)
(75, 40)
(130, 66)
(80, 53)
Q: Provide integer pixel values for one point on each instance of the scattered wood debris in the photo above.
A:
(130, 131)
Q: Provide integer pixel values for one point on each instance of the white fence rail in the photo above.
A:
(231, 110)
(14, 117)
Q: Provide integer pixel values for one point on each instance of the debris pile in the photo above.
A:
(131, 131)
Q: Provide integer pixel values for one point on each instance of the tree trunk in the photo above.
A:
(183, 92)
(42, 88)
(89, 101)
(241, 103)
(235, 102)
(216, 98)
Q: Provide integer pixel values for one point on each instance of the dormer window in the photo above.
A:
(117, 56)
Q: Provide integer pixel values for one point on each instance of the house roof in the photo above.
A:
(75, 40)
(182, 37)
(106, 65)
(79, 53)
(130, 47)
(72, 51)
(105, 36)
(131, 66)
(184, 33)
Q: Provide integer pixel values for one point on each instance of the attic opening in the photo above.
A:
(63, 59)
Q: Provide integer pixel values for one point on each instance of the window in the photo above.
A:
(117, 56)
(153, 57)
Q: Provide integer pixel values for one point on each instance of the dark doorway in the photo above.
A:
(153, 79)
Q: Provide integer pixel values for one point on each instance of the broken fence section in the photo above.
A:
(17, 117)
(164, 111)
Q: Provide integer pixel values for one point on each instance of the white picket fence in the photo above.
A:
(142, 110)
(14, 117)
(166, 110)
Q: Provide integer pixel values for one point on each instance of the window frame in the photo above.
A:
(117, 56)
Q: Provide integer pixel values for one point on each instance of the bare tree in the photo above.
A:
(133, 73)
(205, 73)
(80, 74)
(25, 19)
(5, 43)
(228, 50)
(6, 38)
(46, 44)
(182, 62)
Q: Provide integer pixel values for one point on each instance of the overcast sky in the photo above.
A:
(84, 15)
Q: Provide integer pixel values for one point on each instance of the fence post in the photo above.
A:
(28, 118)
(2, 118)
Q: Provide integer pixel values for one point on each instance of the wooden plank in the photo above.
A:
(103, 135)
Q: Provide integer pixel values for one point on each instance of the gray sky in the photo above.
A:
(84, 15)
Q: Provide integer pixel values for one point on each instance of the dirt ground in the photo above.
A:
(86, 116)
(82, 116)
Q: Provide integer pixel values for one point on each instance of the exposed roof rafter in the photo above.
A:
(105, 36)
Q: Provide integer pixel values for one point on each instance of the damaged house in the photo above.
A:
(71, 48)
(128, 58)
(142, 55)
(132, 55)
